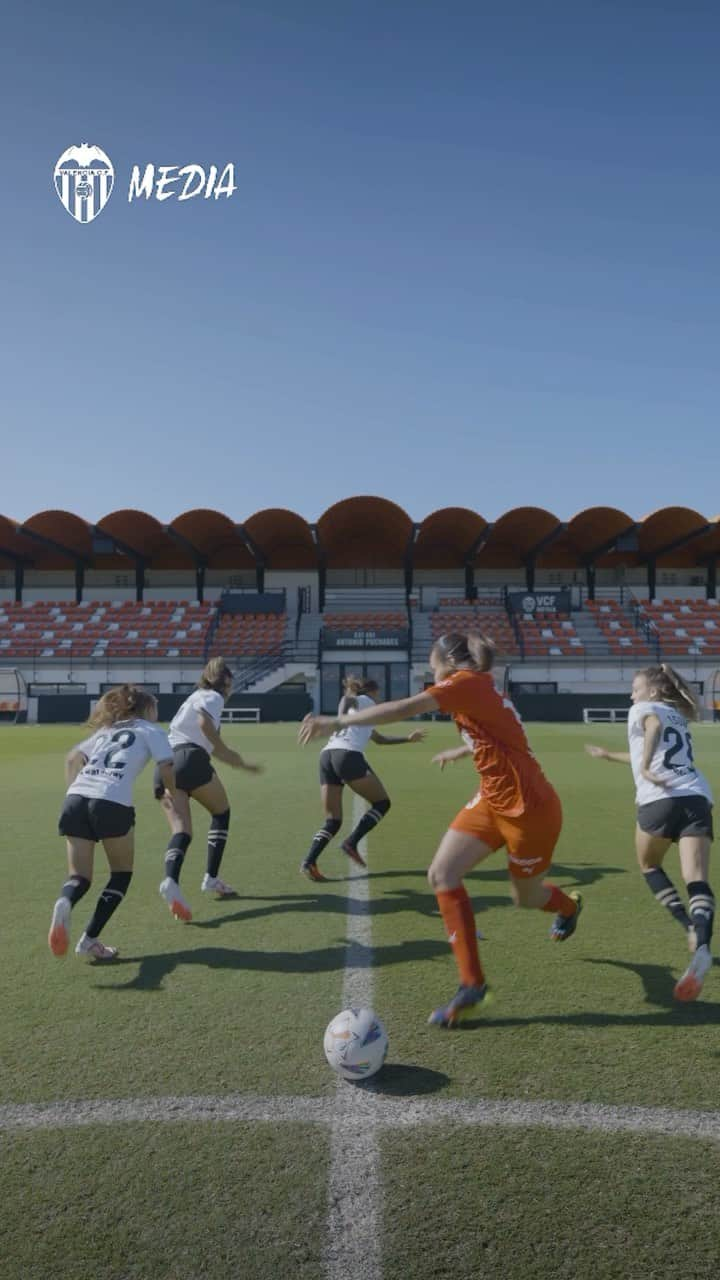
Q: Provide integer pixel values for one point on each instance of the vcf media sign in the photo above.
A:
(84, 178)
(531, 602)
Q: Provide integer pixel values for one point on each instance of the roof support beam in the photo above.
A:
(675, 544)
(141, 563)
(199, 558)
(602, 549)
(54, 545)
(534, 552)
(256, 553)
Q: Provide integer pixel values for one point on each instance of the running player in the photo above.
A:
(674, 805)
(98, 808)
(342, 762)
(516, 805)
(194, 737)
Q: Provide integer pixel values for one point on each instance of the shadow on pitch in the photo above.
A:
(155, 968)
(324, 900)
(394, 900)
(658, 984)
(400, 1080)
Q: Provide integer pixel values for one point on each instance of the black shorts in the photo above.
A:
(338, 766)
(193, 769)
(673, 818)
(85, 818)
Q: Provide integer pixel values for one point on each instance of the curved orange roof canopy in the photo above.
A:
(214, 536)
(447, 537)
(61, 538)
(284, 539)
(146, 537)
(669, 534)
(516, 536)
(15, 546)
(365, 533)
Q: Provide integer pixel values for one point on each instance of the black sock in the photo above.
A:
(74, 888)
(368, 821)
(175, 855)
(667, 895)
(330, 828)
(109, 901)
(702, 910)
(217, 839)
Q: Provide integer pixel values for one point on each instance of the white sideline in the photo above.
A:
(354, 1193)
(375, 1111)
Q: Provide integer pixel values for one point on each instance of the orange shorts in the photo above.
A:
(530, 839)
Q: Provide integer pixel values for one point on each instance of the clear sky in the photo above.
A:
(473, 256)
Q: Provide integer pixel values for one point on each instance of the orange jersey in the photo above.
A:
(512, 780)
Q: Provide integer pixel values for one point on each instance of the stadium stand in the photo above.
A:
(116, 629)
(246, 634)
(360, 619)
(684, 626)
(493, 622)
(618, 630)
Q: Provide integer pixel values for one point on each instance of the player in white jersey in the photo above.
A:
(194, 737)
(342, 762)
(674, 805)
(98, 808)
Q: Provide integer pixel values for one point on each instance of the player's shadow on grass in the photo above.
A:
(658, 983)
(308, 903)
(581, 873)
(153, 969)
(657, 979)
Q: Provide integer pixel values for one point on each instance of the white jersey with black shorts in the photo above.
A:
(191, 749)
(342, 758)
(681, 804)
(99, 802)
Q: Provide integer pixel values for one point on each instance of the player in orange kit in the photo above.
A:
(515, 806)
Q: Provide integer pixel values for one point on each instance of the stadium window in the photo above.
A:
(42, 690)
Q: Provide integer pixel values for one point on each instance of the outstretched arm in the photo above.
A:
(451, 755)
(599, 753)
(385, 713)
(383, 740)
(221, 750)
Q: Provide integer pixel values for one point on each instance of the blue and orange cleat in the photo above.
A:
(312, 871)
(563, 927)
(352, 853)
(461, 1006)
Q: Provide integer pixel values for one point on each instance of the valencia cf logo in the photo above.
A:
(84, 178)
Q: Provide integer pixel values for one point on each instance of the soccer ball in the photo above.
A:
(355, 1044)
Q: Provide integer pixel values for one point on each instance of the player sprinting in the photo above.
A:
(516, 806)
(674, 805)
(194, 737)
(98, 809)
(343, 763)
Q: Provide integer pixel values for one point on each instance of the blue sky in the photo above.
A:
(472, 258)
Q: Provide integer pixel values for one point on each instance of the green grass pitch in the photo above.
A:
(237, 1001)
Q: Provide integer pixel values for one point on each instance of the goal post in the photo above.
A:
(240, 715)
(13, 696)
(605, 715)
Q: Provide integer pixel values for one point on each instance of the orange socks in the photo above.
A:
(457, 913)
(559, 902)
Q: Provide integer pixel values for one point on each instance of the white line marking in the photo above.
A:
(354, 1196)
(374, 1111)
